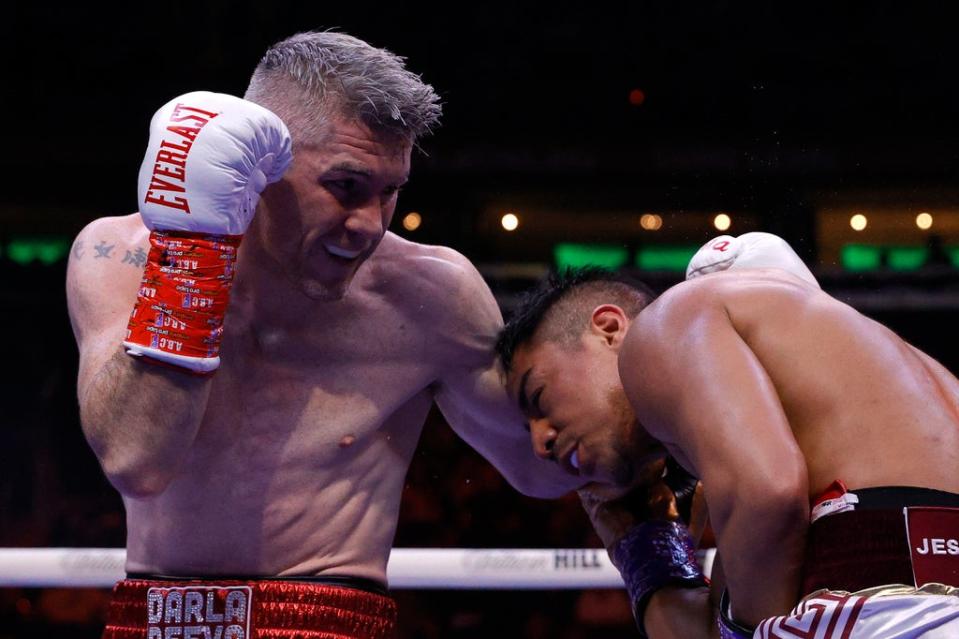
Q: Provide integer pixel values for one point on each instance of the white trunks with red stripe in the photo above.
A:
(886, 612)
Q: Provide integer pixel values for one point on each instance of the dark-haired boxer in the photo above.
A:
(770, 391)
(262, 500)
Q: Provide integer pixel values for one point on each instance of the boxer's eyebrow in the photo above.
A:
(351, 167)
(536, 395)
(364, 171)
(523, 400)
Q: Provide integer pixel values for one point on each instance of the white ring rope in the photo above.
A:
(409, 568)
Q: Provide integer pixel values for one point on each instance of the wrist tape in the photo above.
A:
(178, 315)
(652, 555)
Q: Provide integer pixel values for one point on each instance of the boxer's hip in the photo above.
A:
(243, 608)
(885, 612)
(881, 540)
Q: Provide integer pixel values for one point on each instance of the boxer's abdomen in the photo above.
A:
(288, 475)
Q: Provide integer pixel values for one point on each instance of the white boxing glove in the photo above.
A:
(750, 250)
(209, 157)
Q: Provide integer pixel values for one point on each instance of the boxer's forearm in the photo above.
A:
(762, 541)
(680, 613)
(139, 419)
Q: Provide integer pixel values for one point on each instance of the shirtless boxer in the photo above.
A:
(280, 450)
(769, 390)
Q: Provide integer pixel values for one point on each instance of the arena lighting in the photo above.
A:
(510, 221)
(651, 222)
(858, 222)
(722, 222)
(412, 221)
(924, 221)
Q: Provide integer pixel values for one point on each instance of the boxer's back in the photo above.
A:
(865, 406)
(312, 418)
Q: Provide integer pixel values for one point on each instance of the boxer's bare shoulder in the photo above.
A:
(126, 231)
(686, 340)
(441, 284)
(104, 270)
(440, 273)
(460, 321)
(824, 366)
(748, 299)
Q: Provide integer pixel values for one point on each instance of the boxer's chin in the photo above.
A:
(327, 284)
(628, 472)
(613, 469)
(325, 291)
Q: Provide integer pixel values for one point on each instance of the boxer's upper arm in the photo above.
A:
(471, 390)
(699, 387)
(103, 275)
(697, 384)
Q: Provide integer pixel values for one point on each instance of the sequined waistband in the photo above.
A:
(341, 581)
(242, 609)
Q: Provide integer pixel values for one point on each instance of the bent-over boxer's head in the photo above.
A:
(354, 113)
(560, 351)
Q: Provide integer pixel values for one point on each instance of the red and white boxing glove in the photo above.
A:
(210, 156)
(750, 250)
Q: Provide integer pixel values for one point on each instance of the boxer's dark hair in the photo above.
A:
(559, 307)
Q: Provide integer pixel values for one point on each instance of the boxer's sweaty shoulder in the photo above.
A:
(103, 274)
(105, 265)
(864, 406)
(443, 289)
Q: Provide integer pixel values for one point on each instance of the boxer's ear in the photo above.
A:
(609, 322)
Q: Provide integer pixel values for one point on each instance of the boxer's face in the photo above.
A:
(333, 206)
(574, 402)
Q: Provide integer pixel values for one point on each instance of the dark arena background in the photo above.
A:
(623, 137)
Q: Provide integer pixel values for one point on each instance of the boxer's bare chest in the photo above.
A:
(305, 391)
(301, 417)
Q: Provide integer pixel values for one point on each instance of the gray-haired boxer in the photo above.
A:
(827, 447)
(259, 407)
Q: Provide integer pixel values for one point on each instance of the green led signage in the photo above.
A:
(579, 255)
(47, 250)
(665, 258)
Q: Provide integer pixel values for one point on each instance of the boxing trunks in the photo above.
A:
(881, 563)
(226, 608)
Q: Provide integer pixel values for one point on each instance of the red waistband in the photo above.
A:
(861, 549)
(856, 550)
(261, 609)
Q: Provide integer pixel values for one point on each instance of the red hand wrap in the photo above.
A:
(184, 294)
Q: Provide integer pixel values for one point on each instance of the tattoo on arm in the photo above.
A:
(103, 250)
(137, 258)
(78, 249)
